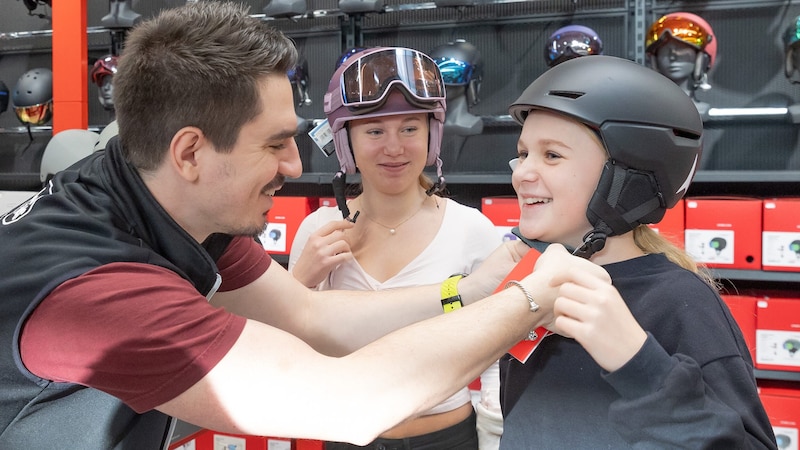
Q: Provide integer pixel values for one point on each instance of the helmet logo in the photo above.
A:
(685, 186)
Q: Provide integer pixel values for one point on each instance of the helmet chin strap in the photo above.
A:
(339, 185)
(437, 187)
(593, 242)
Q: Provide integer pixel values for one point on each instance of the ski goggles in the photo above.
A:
(681, 28)
(368, 79)
(35, 114)
(455, 72)
(571, 44)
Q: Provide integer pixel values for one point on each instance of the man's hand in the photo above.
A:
(483, 281)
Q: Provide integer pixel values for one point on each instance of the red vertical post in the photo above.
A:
(70, 66)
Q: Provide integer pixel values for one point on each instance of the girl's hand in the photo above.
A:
(326, 248)
(591, 310)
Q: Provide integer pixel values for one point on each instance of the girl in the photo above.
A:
(656, 360)
(386, 109)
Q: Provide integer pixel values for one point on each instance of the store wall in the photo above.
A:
(511, 37)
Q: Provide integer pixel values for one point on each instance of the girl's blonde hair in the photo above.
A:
(649, 241)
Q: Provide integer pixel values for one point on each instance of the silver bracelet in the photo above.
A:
(534, 306)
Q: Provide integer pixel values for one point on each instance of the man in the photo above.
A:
(134, 291)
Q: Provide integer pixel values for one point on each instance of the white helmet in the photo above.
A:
(65, 149)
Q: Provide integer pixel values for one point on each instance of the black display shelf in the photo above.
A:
(756, 275)
(777, 375)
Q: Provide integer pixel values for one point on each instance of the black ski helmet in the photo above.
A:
(650, 128)
(33, 96)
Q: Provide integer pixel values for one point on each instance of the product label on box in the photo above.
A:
(279, 444)
(191, 445)
(786, 438)
(780, 248)
(223, 442)
(274, 237)
(710, 246)
(778, 348)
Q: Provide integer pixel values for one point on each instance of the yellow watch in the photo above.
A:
(451, 301)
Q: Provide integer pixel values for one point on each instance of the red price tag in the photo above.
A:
(524, 349)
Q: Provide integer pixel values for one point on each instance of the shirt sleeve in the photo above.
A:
(136, 331)
(242, 263)
(673, 401)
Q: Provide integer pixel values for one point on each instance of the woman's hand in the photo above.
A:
(325, 249)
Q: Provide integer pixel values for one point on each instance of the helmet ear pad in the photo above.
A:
(701, 66)
(624, 199)
(341, 141)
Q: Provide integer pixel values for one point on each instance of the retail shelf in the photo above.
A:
(478, 178)
(747, 176)
(778, 375)
(756, 275)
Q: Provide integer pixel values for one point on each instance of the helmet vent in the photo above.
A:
(566, 94)
(685, 134)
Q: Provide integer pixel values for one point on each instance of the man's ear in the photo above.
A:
(183, 151)
(788, 67)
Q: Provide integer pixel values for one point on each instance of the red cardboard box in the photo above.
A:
(672, 226)
(282, 222)
(780, 245)
(778, 333)
(724, 232)
(504, 214)
(743, 310)
(783, 410)
(214, 440)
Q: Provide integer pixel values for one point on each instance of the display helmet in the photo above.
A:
(791, 41)
(4, 94)
(103, 67)
(461, 65)
(361, 88)
(792, 34)
(689, 28)
(31, 5)
(298, 77)
(33, 97)
(650, 128)
(348, 53)
(570, 42)
(66, 148)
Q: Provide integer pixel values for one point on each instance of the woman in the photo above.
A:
(386, 109)
(656, 360)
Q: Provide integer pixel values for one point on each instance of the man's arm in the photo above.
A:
(271, 383)
(338, 322)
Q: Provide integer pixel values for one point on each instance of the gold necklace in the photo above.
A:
(393, 230)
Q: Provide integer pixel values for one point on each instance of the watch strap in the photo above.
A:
(451, 300)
